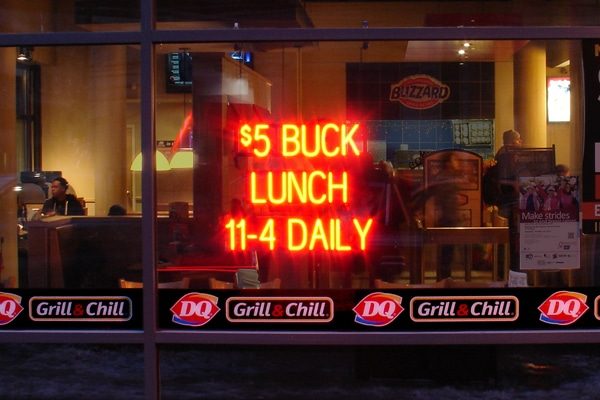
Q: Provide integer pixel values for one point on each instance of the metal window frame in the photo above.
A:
(151, 337)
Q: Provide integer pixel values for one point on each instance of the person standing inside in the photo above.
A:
(508, 197)
(61, 203)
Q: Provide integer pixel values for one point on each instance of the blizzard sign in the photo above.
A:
(80, 308)
(279, 309)
(10, 307)
(419, 92)
(464, 309)
(563, 308)
(378, 309)
(195, 309)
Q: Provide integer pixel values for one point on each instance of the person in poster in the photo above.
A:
(549, 234)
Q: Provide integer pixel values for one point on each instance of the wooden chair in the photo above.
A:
(218, 284)
(182, 284)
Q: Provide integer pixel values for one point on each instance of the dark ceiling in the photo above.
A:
(254, 13)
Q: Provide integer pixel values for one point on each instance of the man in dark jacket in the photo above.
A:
(61, 203)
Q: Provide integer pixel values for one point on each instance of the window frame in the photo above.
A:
(151, 337)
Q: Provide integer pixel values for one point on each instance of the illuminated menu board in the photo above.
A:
(312, 207)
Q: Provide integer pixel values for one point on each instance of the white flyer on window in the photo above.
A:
(549, 222)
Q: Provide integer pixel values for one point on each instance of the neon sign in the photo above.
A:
(321, 191)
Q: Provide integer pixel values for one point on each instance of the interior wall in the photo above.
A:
(68, 131)
(8, 173)
(109, 127)
(323, 84)
(280, 67)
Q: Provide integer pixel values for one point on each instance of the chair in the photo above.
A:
(218, 284)
(246, 278)
(182, 284)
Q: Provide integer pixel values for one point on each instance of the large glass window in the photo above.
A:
(367, 164)
(71, 186)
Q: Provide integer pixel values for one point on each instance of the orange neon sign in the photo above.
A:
(317, 191)
(302, 187)
(330, 140)
(331, 234)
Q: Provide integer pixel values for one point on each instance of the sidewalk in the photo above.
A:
(115, 372)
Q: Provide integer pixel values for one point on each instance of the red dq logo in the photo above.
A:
(195, 309)
(563, 308)
(10, 307)
(378, 309)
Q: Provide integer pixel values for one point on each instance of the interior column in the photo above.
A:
(530, 94)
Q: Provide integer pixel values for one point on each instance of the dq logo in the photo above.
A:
(195, 309)
(10, 307)
(378, 309)
(563, 308)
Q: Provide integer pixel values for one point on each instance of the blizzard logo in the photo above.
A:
(279, 309)
(563, 308)
(195, 309)
(419, 92)
(464, 309)
(80, 308)
(378, 309)
(10, 307)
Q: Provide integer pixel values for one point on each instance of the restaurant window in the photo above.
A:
(354, 165)
(72, 199)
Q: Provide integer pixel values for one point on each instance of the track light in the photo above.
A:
(24, 54)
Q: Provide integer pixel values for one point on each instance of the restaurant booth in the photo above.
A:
(299, 173)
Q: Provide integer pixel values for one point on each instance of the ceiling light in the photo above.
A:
(24, 54)
(462, 52)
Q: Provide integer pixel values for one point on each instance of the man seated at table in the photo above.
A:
(61, 203)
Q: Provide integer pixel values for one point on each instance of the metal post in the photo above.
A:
(151, 372)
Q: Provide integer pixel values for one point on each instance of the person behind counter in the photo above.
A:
(61, 203)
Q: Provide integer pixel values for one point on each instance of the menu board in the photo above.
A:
(530, 161)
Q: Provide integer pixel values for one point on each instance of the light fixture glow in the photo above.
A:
(466, 44)
(183, 159)
(162, 164)
(24, 54)
(461, 52)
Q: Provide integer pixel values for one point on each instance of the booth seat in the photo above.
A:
(87, 252)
